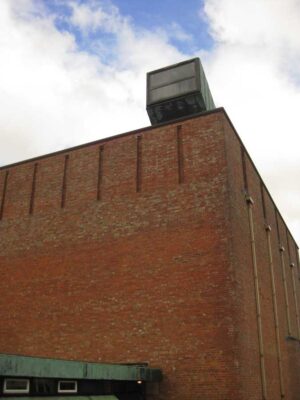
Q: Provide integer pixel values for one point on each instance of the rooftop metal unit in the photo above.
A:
(179, 90)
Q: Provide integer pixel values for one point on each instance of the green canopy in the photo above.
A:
(18, 366)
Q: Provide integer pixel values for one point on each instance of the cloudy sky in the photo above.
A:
(73, 71)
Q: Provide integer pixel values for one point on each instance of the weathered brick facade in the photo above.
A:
(140, 248)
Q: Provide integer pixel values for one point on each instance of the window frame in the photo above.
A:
(59, 390)
(16, 391)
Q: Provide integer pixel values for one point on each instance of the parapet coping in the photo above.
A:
(150, 128)
(111, 138)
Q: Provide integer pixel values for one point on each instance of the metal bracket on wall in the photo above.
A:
(249, 200)
(268, 228)
(293, 338)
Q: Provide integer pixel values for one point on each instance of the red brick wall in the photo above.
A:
(245, 181)
(138, 249)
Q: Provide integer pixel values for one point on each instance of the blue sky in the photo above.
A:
(187, 17)
(186, 14)
(73, 71)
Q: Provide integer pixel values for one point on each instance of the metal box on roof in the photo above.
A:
(176, 91)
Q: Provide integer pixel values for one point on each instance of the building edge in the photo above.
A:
(150, 128)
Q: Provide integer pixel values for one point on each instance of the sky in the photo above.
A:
(73, 71)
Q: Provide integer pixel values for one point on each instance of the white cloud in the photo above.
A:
(54, 95)
(254, 72)
(86, 18)
(93, 16)
(253, 22)
(179, 33)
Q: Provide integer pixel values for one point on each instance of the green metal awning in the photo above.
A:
(14, 365)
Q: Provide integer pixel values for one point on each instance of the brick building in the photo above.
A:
(159, 246)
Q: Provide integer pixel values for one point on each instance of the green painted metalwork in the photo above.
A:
(14, 365)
